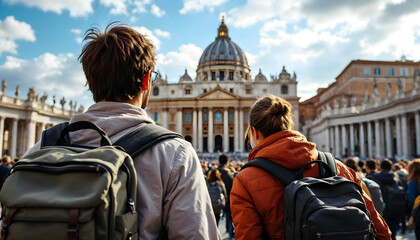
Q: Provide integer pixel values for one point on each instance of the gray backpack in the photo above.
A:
(73, 192)
(218, 200)
(328, 207)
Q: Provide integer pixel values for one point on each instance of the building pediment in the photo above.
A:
(218, 93)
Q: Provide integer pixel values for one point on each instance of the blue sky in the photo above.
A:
(40, 40)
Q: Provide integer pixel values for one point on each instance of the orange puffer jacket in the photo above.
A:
(257, 203)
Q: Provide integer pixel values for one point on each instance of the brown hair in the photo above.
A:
(270, 115)
(115, 62)
(351, 163)
(414, 170)
(214, 175)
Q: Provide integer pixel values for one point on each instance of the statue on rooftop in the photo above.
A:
(62, 102)
(17, 91)
(3, 87)
(44, 97)
(31, 94)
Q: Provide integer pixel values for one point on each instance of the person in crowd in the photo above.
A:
(5, 166)
(173, 201)
(362, 166)
(216, 189)
(386, 177)
(257, 197)
(227, 177)
(414, 187)
(372, 170)
(351, 163)
(368, 185)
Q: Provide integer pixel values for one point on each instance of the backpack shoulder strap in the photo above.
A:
(328, 159)
(285, 175)
(143, 137)
(51, 135)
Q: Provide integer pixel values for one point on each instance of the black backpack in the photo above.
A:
(328, 207)
(395, 201)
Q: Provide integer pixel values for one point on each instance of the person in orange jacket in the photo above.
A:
(257, 201)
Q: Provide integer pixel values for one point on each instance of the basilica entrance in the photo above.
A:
(218, 143)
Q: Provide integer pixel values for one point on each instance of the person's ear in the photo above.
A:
(255, 133)
(145, 83)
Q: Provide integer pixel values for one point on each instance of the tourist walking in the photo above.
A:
(173, 201)
(257, 202)
(413, 188)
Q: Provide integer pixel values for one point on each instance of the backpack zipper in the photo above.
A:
(342, 234)
(47, 168)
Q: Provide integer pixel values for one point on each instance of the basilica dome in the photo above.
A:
(223, 48)
(223, 55)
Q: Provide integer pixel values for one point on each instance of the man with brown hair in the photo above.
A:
(173, 201)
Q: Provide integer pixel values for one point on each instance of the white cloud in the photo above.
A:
(157, 11)
(319, 38)
(76, 8)
(117, 6)
(140, 6)
(173, 63)
(59, 74)
(78, 35)
(12, 30)
(161, 33)
(133, 19)
(200, 5)
(149, 35)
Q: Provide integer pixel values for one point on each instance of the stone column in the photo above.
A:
(404, 136)
(327, 140)
(195, 128)
(388, 138)
(165, 117)
(417, 123)
(362, 141)
(13, 146)
(236, 141)
(369, 138)
(1, 134)
(241, 130)
(377, 140)
(398, 131)
(331, 130)
(30, 133)
(343, 140)
(39, 131)
(179, 123)
(337, 142)
(225, 130)
(200, 130)
(352, 153)
(210, 139)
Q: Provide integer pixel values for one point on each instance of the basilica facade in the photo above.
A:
(371, 110)
(212, 110)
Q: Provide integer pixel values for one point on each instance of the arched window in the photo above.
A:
(284, 89)
(188, 117)
(155, 91)
(218, 116)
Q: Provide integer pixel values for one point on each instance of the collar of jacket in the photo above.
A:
(287, 148)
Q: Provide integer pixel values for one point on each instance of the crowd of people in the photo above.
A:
(175, 202)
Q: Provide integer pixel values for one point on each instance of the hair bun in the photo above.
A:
(277, 108)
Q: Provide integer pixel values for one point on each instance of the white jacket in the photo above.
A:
(172, 193)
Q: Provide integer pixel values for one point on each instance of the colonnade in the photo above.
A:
(395, 137)
(17, 135)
